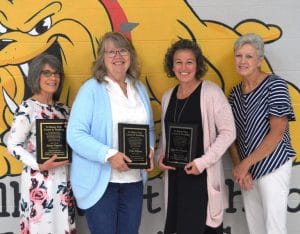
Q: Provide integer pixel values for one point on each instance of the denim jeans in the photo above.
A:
(118, 211)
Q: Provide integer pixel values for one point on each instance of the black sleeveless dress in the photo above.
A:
(187, 194)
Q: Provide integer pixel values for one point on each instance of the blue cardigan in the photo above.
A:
(89, 133)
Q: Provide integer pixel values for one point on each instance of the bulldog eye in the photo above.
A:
(2, 29)
(41, 27)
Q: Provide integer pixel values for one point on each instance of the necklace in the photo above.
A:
(180, 112)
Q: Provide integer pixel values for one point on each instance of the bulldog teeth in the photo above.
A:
(9, 101)
(24, 67)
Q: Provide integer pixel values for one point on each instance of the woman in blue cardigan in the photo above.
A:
(110, 193)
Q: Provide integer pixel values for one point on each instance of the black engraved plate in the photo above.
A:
(51, 139)
(180, 144)
(134, 143)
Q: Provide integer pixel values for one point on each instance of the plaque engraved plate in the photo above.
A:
(134, 143)
(51, 139)
(180, 144)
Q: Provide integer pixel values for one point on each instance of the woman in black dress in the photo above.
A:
(195, 191)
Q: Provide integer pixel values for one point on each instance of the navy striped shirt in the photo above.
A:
(252, 113)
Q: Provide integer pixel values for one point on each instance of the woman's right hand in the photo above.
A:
(162, 166)
(50, 163)
(118, 161)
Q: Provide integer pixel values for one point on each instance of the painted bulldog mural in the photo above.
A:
(71, 31)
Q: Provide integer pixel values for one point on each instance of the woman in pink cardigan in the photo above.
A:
(195, 194)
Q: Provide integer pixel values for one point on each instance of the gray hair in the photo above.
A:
(253, 39)
(35, 68)
(119, 40)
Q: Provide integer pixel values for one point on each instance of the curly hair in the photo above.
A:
(185, 44)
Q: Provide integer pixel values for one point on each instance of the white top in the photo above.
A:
(124, 109)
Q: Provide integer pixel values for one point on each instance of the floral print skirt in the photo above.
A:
(47, 204)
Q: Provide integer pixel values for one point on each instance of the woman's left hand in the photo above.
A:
(51, 164)
(191, 169)
(247, 183)
(241, 170)
(151, 153)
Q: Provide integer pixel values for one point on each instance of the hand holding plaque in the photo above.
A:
(180, 144)
(134, 143)
(51, 140)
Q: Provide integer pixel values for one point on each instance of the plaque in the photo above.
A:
(51, 139)
(181, 144)
(134, 143)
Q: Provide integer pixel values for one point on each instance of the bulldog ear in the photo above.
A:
(127, 27)
(268, 32)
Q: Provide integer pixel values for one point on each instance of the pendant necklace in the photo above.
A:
(180, 112)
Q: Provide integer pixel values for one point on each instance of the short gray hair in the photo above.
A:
(35, 68)
(253, 39)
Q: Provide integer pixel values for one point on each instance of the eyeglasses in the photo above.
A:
(113, 53)
(48, 73)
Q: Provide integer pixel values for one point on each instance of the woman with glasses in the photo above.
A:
(110, 193)
(47, 204)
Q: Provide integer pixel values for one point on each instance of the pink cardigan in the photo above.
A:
(219, 133)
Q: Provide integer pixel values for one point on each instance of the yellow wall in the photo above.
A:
(71, 30)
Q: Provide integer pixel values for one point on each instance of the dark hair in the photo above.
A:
(185, 44)
(35, 68)
(119, 40)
